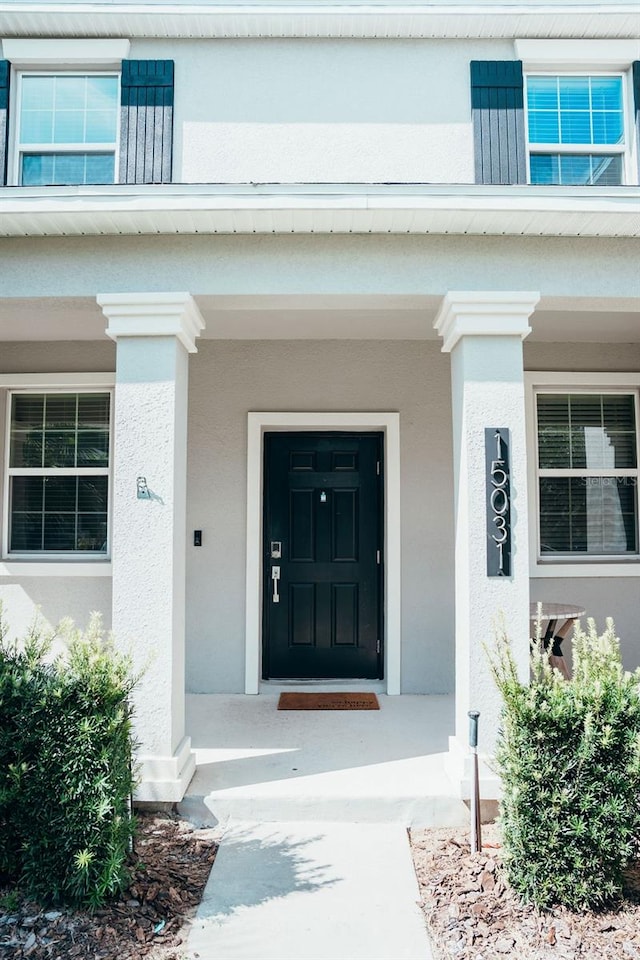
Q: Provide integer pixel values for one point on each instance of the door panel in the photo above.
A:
(323, 506)
(302, 526)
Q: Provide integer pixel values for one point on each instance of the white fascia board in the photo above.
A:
(577, 54)
(526, 210)
(35, 52)
(355, 18)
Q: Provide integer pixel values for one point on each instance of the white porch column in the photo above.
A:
(154, 333)
(483, 332)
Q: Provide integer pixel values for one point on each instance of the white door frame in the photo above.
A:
(258, 425)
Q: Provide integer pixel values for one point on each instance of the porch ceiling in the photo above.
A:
(463, 209)
(321, 318)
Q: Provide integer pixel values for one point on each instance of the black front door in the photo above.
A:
(322, 556)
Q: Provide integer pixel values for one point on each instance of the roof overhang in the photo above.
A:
(324, 208)
(355, 18)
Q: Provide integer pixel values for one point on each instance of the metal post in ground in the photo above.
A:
(476, 829)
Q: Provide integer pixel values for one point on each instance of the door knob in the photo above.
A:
(275, 576)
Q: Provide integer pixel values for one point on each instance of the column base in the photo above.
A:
(458, 766)
(165, 779)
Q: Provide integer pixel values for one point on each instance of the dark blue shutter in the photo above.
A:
(146, 121)
(497, 109)
(636, 107)
(5, 74)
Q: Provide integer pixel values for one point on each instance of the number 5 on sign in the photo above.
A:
(498, 501)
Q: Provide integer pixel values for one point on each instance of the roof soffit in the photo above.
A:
(137, 18)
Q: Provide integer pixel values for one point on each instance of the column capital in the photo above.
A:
(484, 313)
(152, 315)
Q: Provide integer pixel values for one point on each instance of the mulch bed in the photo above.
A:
(471, 914)
(170, 867)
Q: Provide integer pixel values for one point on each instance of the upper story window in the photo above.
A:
(563, 112)
(58, 474)
(576, 129)
(83, 112)
(67, 128)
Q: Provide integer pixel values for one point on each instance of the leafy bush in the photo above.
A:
(65, 765)
(569, 756)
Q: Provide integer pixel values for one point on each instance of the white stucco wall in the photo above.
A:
(296, 110)
(63, 356)
(587, 357)
(262, 265)
(52, 599)
(228, 379)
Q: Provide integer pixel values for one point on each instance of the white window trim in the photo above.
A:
(258, 425)
(46, 381)
(17, 148)
(53, 565)
(592, 382)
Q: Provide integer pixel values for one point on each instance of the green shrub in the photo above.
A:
(65, 765)
(569, 757)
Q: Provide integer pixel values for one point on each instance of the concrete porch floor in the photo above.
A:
(257, 763)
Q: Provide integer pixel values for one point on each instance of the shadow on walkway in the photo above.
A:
(275, 865)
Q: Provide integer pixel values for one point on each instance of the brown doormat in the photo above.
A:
(328, 701)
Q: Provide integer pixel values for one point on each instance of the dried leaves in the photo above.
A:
(473, 915)
(170, 866)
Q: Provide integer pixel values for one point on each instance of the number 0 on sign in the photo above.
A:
(498, 497)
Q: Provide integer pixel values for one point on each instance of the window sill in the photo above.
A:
(55, 568)
(625, 568)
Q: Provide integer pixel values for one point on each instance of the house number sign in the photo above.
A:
(496, 445)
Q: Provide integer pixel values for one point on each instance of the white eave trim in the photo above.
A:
(355, 18)
(32, 53)
(577, 54)
(324, 208)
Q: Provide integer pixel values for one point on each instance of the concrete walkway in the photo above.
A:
(310, 891)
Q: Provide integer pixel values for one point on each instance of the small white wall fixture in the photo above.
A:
(389, 425)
